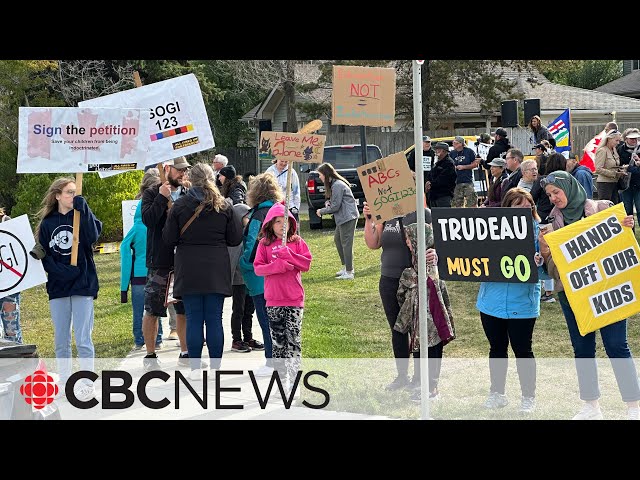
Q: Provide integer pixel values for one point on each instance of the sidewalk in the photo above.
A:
(233, 398)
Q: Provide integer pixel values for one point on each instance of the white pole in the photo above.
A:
(422, 251)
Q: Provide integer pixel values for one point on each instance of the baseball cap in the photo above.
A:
(540, 146)
(498, 162)
(502, 132)
(426, 138)
(460, 139)
(441, 145)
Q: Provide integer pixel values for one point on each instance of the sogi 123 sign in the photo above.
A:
(18, 270)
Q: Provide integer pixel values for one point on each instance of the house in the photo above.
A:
(629, 84)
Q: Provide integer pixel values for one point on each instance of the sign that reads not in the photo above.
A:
(485, 244)
(389, 187)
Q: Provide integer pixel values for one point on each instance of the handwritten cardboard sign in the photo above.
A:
(485, 244)
(363, 96)
(296, 147)
(389, 187)
(128, 213)
(599, 264)
(74, 140)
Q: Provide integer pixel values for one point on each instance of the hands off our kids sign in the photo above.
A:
(389, 187)
(485, 244)
(598, 261)
(294, 147)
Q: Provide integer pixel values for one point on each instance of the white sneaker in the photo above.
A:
(346, 276)
(263, 371)
(633, 413)
(197, 375)
(589, 412)
(341, 272)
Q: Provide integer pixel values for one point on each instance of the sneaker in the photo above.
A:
(84, 392)
(151, 363)
(263, 371)
(159, 346)
(183, 361)
(416, 396)
(173, 335)
(633, 413)
(589, 412)
(399, 382)
(496, 400)
(137, 348)
(547, 298)
(413, 384)
(197, 375)
(527, 405)
(346, 276)
(341, 272)
(240, 346)
(255, 344)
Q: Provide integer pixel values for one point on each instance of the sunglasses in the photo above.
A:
(549, 179)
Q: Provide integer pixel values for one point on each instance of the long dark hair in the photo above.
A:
(330, 176)
(556, 161)
(230, 184)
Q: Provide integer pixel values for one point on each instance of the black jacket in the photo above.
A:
(154, 216)
(202, 263)
(411, 159)
(510, 182)
(236, 191)
(625, 159)
(501, 146)
(443, 178)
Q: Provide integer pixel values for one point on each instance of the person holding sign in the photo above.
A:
(395, 258)
(279, 170)
(342, 205)
(71, 289)
(508, 312)
(10, 313)
(571, 205)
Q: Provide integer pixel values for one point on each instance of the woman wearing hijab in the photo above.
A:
(571, 205)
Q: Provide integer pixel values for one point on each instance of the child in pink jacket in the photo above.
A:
(281, 266)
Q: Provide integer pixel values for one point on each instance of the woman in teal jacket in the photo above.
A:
(508, 312)
(133, 264)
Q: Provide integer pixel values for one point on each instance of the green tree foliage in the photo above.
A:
(589, 74)
(104, 196)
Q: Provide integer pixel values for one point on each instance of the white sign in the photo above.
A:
(73, 140)
(178, 122)
(18, 270)
(128, 211)
(483, 150)
(426, 162)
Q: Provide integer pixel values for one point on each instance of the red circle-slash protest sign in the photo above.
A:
(13, 261)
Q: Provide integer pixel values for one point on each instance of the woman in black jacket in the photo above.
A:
(202, 266)
(232, 185)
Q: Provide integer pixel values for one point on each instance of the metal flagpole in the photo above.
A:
(422, 251)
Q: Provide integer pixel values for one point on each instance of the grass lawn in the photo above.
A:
(343, 319)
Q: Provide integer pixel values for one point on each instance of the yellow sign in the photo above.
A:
(599, 264)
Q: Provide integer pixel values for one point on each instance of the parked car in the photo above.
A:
(16, 363)
(345, 159)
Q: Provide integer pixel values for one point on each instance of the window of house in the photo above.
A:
(635, 65)
(284, 126)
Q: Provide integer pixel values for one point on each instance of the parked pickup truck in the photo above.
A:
(345, 159)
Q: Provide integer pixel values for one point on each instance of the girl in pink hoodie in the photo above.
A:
(281, 266)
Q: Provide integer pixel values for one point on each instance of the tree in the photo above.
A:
(269, 74)
(589, 74)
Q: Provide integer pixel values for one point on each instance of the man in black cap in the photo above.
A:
(441, 180)
(427, 151)
(499, 148)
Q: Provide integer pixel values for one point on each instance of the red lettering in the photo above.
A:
(279, 150)
(364, 90)
(382, 177)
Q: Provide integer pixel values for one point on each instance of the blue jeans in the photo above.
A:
(65, 312)
(630, 197)
(10, 315)
(263, 319)
(204, 310)
(614, 338)
(137, 302)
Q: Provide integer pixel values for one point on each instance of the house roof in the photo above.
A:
(628, 85)
(553, 96)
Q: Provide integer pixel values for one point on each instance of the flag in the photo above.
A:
(560, 128)
(589, 156)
